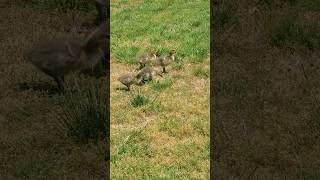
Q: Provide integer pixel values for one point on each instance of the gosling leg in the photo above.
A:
(60, 82)
(164, 70)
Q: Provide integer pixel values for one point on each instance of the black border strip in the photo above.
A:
(212, 145)
(107, 158)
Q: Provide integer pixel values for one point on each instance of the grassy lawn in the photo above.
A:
(161, 129)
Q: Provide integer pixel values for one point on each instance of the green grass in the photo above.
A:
(139, 100)
(131, 147)
(178, 66)
(162, 25)
(156, 106)
(126, 54)
(158, 85)
(201, 72)
(167, 135)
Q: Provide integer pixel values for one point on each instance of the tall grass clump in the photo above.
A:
(85, 116)
(139, 100)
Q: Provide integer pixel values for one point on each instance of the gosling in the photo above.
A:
(146, 74)
(146, 58)
(128, 80)
(165, 61)
(61, 56)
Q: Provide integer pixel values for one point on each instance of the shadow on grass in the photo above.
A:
(41, 87)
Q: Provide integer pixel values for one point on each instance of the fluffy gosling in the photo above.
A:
(128, 80)
(146, 74)
(165, 61)
(146, 58)
(60, 56)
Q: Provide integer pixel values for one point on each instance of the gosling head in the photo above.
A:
(172, 52)
(153, 53)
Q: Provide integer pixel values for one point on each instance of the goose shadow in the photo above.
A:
(41, 87)
(122, 89)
